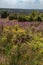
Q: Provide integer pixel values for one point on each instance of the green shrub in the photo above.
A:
(15, 16)
(4, 14)
(38, 19)
(27, 18)
(31, 19)
(21, 18)
(11, 17)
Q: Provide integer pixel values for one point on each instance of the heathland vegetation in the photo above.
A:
(21, 41)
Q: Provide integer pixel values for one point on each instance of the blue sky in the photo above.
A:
(25, 4)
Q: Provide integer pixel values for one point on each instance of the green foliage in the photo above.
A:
(21, 18)
(34, 16)
(11, 17)
(31, 18)
(15, 16)
(38, 19)
(4, 14)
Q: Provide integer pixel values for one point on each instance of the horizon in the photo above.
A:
(21, 8)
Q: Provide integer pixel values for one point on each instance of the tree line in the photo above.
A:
(34, 16)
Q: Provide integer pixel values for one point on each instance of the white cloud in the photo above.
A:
(21, 3)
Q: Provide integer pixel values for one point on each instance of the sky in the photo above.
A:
(24, 4)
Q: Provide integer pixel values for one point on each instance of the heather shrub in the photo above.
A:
(21, 37)
(28, 53)
(19, 46)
